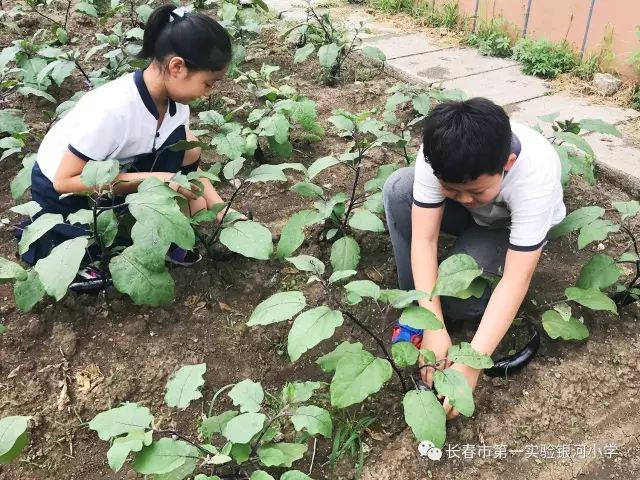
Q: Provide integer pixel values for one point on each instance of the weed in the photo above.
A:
(491, 39)
(543, 58)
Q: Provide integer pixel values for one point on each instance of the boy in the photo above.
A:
(493, 183)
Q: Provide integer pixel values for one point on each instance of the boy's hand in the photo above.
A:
(438, 341)
(471, 374)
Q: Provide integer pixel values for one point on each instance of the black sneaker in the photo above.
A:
(89, 280)
(182, 257)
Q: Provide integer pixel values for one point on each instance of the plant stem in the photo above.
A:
(84, 74)
(632, 284)
(355, 181)
(66, 15)
(370, 333)
(182, 437)
(103, 251)
(280, 415)
(55, 22)
(213, 236)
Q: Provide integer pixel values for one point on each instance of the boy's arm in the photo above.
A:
(501, 310)
(425, 230)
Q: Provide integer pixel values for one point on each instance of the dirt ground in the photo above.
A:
(63, 363)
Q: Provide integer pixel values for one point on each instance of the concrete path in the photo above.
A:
(420, 59)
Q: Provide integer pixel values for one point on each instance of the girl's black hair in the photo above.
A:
(201, 41)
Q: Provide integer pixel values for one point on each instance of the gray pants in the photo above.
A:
(487, 246)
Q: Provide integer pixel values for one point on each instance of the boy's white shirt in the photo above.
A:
(530, 198)
(114, 121)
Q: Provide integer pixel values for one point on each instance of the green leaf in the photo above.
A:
(315, 420)
(276, 126)
(365, 220)
(82, 217)
(357, 377)
(299, 392)
(339, 275)
(12, 430)
(231, 145)
(303, 53)
(455, 274)
(215, 424)
(277, 308)
(37, 229)
(550, 117)
(28, 292)
(320, 164)
(248, 395)
(310, 328)
(420, 318)
(249, 239)
(600, 272)
(292, 234)
(281, 454)
(476, 289)
(576, 140)
(328, 54)
(374, 52)
(261, 475)
(163, 456)
(363, 288)
(306, 189)
(345, 254)
(26, 91)
(425, 415)
(120, 420)
(422, 103)
(59, 268)
(242, 428)
(108, 227)
(11, 121)
(86, 8)
(22, 180)
(11, 271)
(184, 385)
(465, 354)
(141, 273)
(591, 298)
(122, 446)
(404, 354)
(627, 209)
(576, 220)
(17, 448)
(267, 173)
(405, 299)
(240, 452)
(600, 126)
(628, 257)
(453, 385)
(329, 362)
(154, 208)
(558, 327)
(342, 123)
(596, 231)
(307, 263)
(294, 475)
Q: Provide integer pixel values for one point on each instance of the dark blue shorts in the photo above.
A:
(45, 195)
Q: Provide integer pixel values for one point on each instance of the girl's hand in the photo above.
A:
(220, 215)
(189, 194)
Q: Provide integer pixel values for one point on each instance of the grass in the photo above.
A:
(432, 15)
(491, 38)
(543, 58)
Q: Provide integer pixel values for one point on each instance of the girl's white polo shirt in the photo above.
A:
(117, 120)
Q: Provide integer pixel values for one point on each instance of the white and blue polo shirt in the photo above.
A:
(117, 120)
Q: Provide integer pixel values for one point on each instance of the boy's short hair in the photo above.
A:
(464, 140)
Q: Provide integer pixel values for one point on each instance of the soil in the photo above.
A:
(65, 362)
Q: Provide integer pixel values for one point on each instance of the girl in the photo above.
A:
(130, 119)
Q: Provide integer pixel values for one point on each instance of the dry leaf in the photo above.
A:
(373, 274)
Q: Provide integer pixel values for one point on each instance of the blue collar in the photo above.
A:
(146, 96)
(516, 146)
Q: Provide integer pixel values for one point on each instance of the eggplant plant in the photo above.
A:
(257, 433)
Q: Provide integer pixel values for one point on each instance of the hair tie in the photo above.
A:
(178, 14)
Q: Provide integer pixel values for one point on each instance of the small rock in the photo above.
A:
(606, 83)
(35, 326)
(135, 327)
(64, 337)
(5, 221)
